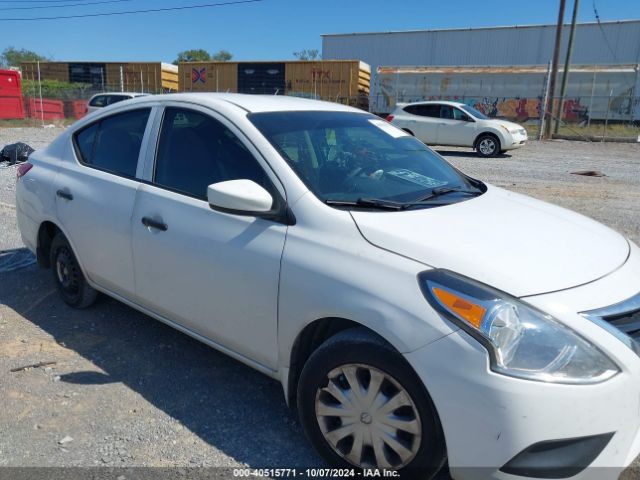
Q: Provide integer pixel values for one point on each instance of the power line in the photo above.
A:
(36, 1)
(130, 12)
(606, 40)
(35, 7)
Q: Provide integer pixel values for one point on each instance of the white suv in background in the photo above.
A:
(101, 100)
(459, 125)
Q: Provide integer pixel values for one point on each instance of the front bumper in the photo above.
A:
(515, 140)
(488, 419)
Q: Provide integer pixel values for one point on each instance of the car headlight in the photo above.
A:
(513, 131)
(522, 342)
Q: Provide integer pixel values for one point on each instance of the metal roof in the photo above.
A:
(466, 29)
(595, 43)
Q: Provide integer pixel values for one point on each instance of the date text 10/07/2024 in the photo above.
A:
(314, 473)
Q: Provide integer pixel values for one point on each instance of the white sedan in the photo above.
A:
(456, 124)
(415, 315)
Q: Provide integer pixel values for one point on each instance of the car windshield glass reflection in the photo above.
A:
(353, 158)
(474, 113)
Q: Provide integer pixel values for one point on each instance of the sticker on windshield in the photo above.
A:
(389, 129)
(417, 178)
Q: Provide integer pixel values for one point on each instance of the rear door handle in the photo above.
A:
(64, 194)
(157, 224)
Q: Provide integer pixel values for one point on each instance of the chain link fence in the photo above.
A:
(57, 93)
(54, 99)
(592, 118)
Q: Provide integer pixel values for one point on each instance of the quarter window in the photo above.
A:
(428, 110)
(113, 143)
(196, 150)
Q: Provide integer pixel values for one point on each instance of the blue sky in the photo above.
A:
(270, 29)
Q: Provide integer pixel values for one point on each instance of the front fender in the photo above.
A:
(330, 271)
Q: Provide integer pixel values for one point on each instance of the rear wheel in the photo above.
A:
(362, 406)
(68, 276)
(488, 146)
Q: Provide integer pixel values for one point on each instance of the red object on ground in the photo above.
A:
(11, 103)
(48, 110)
(75, 108)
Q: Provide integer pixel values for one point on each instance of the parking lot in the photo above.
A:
(125, 390)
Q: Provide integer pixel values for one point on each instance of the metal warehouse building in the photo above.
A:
(606, 43)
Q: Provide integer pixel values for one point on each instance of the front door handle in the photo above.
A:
(157, 224)
(64, 194)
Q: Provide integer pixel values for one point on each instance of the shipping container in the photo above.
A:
(147, 77)
(597, 43)
(593, 92)
(11, 102)
(344, 81)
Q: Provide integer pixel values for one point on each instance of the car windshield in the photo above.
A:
(474, 113)
(350, 157)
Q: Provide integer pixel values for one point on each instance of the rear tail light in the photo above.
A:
(389, 118)
(23, 168)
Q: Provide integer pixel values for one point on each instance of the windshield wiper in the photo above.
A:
(440, 191)
(382, 204)
(367, 203)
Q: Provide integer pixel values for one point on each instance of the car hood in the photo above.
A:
(515, 243)
(492, 122)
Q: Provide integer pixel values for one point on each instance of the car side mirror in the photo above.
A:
(467, 118)
(239, 197)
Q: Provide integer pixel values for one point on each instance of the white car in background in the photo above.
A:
(101, 100)
(414, 314)
(458, 125)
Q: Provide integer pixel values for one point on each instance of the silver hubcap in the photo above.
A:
(66, 270)
(368, 418)
(487, 146)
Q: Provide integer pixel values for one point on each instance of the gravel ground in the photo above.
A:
(128, 391)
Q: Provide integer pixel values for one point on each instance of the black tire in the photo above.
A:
(68, 276)
(409, 132)
(360, 346)
(488, 145)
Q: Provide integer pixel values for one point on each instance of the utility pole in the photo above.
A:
(554, 68)
(567, 64)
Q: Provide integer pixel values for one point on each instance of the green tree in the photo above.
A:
(195, 55)
(55, 89)
(307, 55)
(222, 56)
(12, 57)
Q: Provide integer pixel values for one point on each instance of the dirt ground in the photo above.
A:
(128, 391)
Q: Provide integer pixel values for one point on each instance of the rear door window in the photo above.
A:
(111, 99)
(113, 144)
(424, 110)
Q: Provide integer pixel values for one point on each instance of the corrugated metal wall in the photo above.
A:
(608, 43)
(488, 46)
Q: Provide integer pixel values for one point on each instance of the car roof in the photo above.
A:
(433, 102)
(130, 94)
(251, 103)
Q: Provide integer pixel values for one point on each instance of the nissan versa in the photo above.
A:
(415, 315)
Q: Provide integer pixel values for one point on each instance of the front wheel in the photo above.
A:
(362, 406)
(488, 146)
(68, 276)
